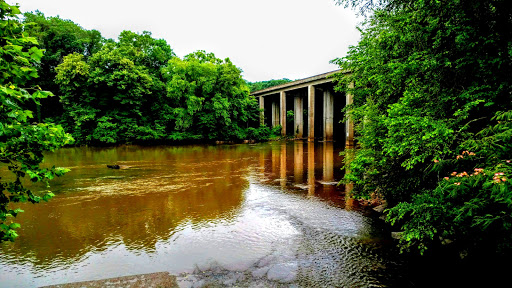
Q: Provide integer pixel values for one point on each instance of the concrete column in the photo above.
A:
(298, 120)
(275, 113)
(349, 125)
(328, 120)
(311, 113)
(283, 112)
(262, 113)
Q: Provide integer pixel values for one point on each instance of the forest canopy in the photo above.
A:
(136, 90)
(260, 85)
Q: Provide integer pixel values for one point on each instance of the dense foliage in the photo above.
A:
(114, 95)
(58, 38)
(260, 85)
(208, 97)
(433, 112)
(22, 141)
(135, 90)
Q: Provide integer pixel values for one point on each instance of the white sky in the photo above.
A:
(267, 39)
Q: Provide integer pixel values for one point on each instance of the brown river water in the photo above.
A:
(266, 214)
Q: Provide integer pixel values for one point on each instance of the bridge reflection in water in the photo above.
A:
(302, 165)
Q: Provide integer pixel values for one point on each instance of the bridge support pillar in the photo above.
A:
(262, 112)
(349, 125)
(311, 113)
(328, 115)
(282, 98)
(275, 113)
(298, 117)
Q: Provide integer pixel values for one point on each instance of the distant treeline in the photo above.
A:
(255, 86)
(136, 89)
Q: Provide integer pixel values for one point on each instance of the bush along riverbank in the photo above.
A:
(432, 108)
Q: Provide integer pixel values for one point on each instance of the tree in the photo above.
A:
(255, 86)
(21, 142)
(432, 107)
(115, 95)
(208, 99)
(59, 38)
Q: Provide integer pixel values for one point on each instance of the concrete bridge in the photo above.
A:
(312, 98)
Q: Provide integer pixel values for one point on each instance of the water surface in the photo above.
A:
(266, 213)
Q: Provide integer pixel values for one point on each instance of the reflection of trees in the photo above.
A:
(138, 208)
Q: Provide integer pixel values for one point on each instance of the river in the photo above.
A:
(268, 213)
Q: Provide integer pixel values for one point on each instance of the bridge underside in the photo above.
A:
(309, 109)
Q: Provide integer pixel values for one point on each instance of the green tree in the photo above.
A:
(208, 99)
(115, 95)
(432, 107)
(22, 142)
(59, 38)
(260, 85)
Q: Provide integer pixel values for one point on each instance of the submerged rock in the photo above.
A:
(115, 166)
(397, 235)
(381, 208)
(283, 272)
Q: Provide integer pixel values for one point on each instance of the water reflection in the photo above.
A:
(179, 208)
(308, 166)
(328, 161)
(298, 162)
(138, 206)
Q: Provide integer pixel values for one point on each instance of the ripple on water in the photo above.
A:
(185, 217)
(303, 241)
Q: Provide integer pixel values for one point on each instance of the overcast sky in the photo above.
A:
(267, 39)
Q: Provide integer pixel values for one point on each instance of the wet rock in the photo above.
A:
(210, 266)
(161, 279)
(199, 283)
(258, 285)
(233, 278)
(260, 272)
(186, 281)
(265, 261)
(380, 208)
(283, 272)
(239, 266)
(397, 235)
(445, 241)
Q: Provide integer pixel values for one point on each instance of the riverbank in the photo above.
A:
(153, 280)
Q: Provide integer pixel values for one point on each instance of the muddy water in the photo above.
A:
(268, 214)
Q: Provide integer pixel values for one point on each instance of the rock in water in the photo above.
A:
(113, 166)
